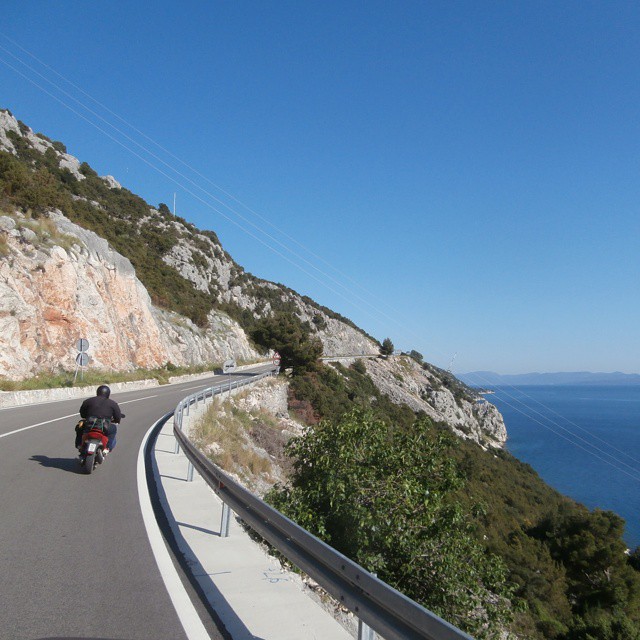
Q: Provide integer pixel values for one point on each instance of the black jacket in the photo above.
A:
(100, 407)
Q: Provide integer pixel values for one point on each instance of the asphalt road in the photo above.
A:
(75, 561)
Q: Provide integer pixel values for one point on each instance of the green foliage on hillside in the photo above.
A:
(330, 392)
(571, 578)
(382, 496)
(568, 563)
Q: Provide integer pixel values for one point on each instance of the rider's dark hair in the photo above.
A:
(103, 391)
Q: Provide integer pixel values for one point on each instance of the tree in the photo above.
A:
(591, 548)
(416, 355)
(291, 338)
(164, 210)
(387, 347)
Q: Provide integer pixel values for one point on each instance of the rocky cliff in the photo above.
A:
(59, 282)
(468, 416)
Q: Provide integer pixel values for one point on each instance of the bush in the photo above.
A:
(382, 496)
(359, 367)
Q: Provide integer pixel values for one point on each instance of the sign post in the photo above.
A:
(229, 367)
(276, 359)
(82, 359)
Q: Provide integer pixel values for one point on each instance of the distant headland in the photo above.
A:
(486, 379)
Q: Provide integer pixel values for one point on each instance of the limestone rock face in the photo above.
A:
(404, 381)
(270, 395)
(210, 269)
(340, 339)
(112, 182)
(51, 295)
(8, 123)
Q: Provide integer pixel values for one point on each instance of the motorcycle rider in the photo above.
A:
(100, 407)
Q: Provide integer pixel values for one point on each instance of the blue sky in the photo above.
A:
(462, 177)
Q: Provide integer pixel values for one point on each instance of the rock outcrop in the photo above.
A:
(60, 282)
(406, 382)
(39, 142)
(210, 269)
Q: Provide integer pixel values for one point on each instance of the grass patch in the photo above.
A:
(4, 246)
(224, 433)
(48, 232)
(45, 229)
(57, 380)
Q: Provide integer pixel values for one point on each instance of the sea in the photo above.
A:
(582, 440)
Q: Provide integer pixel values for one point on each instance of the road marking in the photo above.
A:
(33, 426)
(185, 610)
(138, 399)
(223, 382)
(200, 387)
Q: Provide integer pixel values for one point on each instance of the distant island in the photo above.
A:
(487, 379)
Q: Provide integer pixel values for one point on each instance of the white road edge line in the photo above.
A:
(187, 613)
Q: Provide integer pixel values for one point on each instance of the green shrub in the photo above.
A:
(383, 497)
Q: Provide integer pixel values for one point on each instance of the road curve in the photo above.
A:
(75, 560)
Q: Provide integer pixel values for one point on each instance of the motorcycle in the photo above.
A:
(94, 446)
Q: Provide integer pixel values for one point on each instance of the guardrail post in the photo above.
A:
(190, 472)
(365, 632)
(177, 422)
(225, 521)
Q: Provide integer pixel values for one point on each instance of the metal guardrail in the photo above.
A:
(381, 607)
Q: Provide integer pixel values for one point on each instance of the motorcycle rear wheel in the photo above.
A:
(89, 462)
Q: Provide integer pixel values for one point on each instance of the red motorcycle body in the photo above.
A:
(94, 442)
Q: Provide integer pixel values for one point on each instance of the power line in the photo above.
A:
(262, 231)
